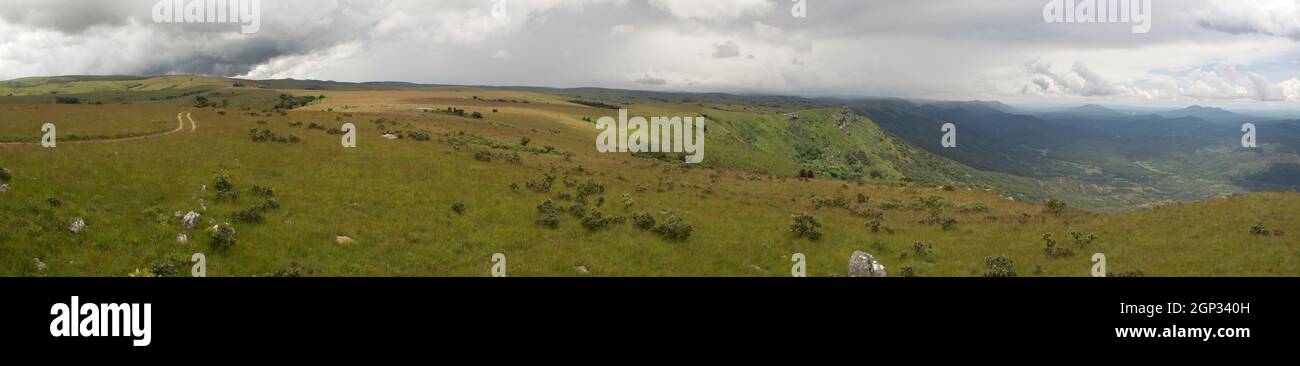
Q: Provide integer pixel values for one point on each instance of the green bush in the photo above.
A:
(1080, 239)
(1053, 250)
(261, 191)
(458, 208)
(5, 176)
(595, 221)
(250, 216)
(269, 204)
(999, 266)
(169, 265)
(675, 229)
(907, 271)
(922, 249)
(549, 215)
(223, 236)
(806, 225)
(643, 221)
(1054, 206)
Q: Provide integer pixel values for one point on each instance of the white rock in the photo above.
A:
(40, 266)
(862, 264)
(191, 220)
(77, 225)
(342, 240)
(182, 238)
(390, 136)
(4, 188)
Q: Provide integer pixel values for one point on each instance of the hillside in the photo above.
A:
(454, 189)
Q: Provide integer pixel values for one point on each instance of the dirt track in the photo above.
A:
(180, 119)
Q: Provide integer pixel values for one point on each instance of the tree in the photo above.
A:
(1054, 206)
(200, 101)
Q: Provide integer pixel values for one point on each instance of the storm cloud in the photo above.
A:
(1203, 50)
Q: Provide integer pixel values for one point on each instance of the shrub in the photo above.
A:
(874, 224)
(935, 218)
(223, 236)
(1054, 206)
(1133, 273)
(595, 221)
(862, 199)
(908, 271)
(1259, 229)
(269, 204)
(222, 183)
(261, 191)
(419, 135)
(806, 225)
(578, 210)
(483, 156)
(512, 157)
(1053, 250)
(54, 202)
(523, 141)
(458, 208)
(168, 266)
(999, 266)
(543, 186)
(922, 249)
(5, 176)
(643, 221)
(260, 134)
(294, 270)
(836, 202)
(675, 229)
(1081, 240)
(947, 223)
(549, 215)
(249, 216)
(591, 188)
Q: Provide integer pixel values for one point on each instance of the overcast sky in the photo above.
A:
(1232, 53)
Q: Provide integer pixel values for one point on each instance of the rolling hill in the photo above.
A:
(433, 189)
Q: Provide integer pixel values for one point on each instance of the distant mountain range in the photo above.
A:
(1092, 150)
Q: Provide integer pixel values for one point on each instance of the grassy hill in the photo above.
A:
(454, 189)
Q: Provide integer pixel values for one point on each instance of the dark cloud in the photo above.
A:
(727, 49)
(935, 48)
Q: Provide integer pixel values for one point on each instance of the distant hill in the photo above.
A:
(1090, 111)
(975, 106)
(1210, 114)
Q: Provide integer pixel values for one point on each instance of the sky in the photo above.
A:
(1242, 54)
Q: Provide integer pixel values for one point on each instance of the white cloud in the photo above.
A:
(1291, 88)
(714, 9)
(622, 29)
(1279, 18)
